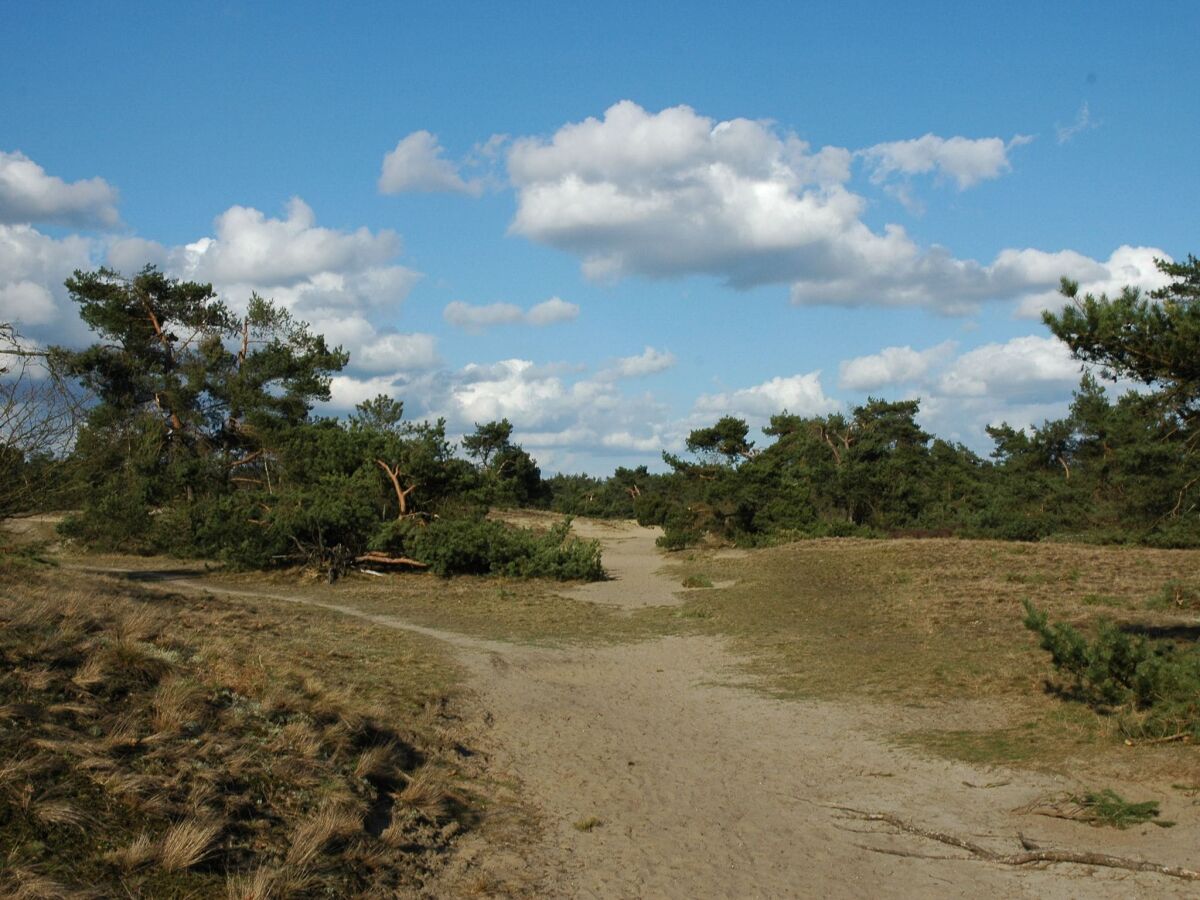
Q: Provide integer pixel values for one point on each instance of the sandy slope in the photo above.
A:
(706, 790)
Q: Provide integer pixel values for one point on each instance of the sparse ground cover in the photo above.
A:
(928, 629)
(532, 611)
(916, 641)
(934, 628)
(162, 744)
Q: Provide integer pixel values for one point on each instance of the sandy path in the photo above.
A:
(714, 792)
(709, 791)
(633, 564)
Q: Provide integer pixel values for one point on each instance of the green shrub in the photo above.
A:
(680, 530)
(479, 546)
(116, 519)
(1155, 684)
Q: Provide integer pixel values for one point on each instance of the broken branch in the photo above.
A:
(1032, 854)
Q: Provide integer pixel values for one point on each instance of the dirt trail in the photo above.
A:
(698, 790)
(633, 563)
(704, 790)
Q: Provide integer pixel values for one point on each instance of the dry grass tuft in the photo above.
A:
(35, 679)
(316, 833)
(32, 886)
(376, 762)
(90, 674)
(233, 766)
(175, 702)
(57, 812)
(426, 792)
(71, 709)
(268, 882)
(258, 885)
(298, 738)
(16, 771)
(186, 844)
(141, 851)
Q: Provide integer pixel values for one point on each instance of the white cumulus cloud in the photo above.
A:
(890, 367)
(801, 395)
(33, 267)
(477, 318)
(559, 412)
(29, 196)
(1028, 368)
(649, 362)
(1022, 381)
(417, 164)
(674, 193)
(967, 161)
(345, 284)
(552, 311)
(1127, 266)
(26, 303)
(251, 247)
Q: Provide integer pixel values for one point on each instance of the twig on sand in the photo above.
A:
(1031, 853)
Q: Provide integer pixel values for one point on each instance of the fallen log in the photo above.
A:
(382, 559)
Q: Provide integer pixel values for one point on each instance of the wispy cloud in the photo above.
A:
(1083, 122)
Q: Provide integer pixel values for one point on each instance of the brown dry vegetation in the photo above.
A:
(162, 745)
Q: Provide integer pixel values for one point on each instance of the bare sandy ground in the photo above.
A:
(657, 777)
(633, 564)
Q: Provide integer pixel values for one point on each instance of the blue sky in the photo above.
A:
(612, 223)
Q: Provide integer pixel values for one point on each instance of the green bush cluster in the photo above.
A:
(480, 546)
(1154, 685)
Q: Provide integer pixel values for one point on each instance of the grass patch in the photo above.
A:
(1049, 734)
(525, 610)
(935, 626)
(1101, 600)
(159, 745)
(697, 581)
(1176, 595)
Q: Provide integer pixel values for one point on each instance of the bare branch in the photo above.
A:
(1030, 854)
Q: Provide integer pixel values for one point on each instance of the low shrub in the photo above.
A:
(1154, 685)
(480, 546)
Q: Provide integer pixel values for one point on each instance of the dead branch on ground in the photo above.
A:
(1031, 853)
(382, 559)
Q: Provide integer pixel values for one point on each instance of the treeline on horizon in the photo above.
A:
(1107, 472)
(1110, 471)
(199, 440)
